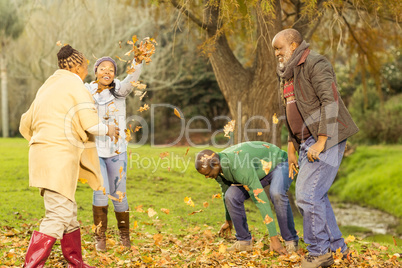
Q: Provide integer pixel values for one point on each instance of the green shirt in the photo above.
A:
(241, 164)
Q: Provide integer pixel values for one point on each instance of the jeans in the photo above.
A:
(321, 231)
(280, 183)
(113, 181)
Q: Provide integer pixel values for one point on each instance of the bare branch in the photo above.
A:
(189, 14)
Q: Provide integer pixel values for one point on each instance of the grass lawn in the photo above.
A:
(176, 239)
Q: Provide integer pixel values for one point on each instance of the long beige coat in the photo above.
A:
(60, 150)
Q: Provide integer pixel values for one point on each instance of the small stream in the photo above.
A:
(354, 215)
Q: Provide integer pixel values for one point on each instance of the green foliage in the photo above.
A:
(377, 125)
(372, 176)
(11, 24)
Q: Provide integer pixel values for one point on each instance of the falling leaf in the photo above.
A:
(168, 168)
(268, 219)
(83, 181)
(135, 225)
(101, 188)
(163, 155)
(205, 159)
(144, 108)
(143, 95)
(120, 44)
(151, 212)
(158, 239)
(229, 127)
(205, 204)
(120, 59)
(275, 119)
(113, 198)
(266, 166)
(117, 152)
(177, 113)
(194, 212)
(246, 187)
(237, 152)
(137, 128)
(188, 148)
(188, 201)
(217, 196)
(165, 210)
(128, 135)
(259, 133)
(121, 195)
(138, 85)
(266, 145)
(59, 44)
(258, 191)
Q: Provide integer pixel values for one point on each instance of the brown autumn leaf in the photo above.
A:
(205, 204)
(219, 196)
(229, 127)
(128, 134)
(82, 180)
(120, 59)
(266, 166)
(259, 200)
(165, 210)
(137, 128)
(139, 208)
(59, 44)
(275, 119)
(177, 113)
(246, 187)
(259, 133)
(158, 239)
(268, 219)
(194, 212)
(144, 108)
(151, 212)
(163, 155)
(138, 85)
(188, 201)
(266, 145)
(188, 148)
(237, 152)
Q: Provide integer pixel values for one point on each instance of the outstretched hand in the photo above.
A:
(226, 229)
(276, 246)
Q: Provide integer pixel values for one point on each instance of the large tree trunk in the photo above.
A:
(251, 94)
(4, 95)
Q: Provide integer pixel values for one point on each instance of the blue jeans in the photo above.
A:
(113, 181)
(280, 183)
(321, 231)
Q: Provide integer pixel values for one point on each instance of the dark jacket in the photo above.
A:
(319, 101)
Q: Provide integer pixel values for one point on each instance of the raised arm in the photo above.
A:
(124, 88)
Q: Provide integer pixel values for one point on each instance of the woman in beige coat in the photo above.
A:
(59, 126)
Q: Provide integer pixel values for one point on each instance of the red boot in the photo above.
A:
(39, 250)
(71, 248)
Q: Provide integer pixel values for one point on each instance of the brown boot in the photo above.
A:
(123, 223)
(100, 219)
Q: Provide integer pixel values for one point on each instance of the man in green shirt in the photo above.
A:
(243, 170)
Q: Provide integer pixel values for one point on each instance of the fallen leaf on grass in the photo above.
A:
(205, 204)
(194, 212)
(188, 201)
(158, 239)
(165, 210)
(163, 155)
(188, 148)
(151, 212)
(219, 196)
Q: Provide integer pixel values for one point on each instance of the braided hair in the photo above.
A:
(68, 57)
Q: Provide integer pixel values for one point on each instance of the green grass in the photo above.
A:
(156, 183)
(372, 176)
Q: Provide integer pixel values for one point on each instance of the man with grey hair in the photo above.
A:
(318, 124)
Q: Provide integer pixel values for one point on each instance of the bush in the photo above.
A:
(377, 125)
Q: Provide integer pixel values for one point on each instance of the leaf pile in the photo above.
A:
(198, 247)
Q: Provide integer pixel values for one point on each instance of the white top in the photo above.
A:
(110, 109)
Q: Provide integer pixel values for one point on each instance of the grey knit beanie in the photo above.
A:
(100, 60)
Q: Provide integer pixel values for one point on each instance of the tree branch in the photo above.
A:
(189, 14)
